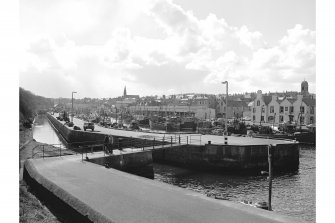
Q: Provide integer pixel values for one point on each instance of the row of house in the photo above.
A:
(275, 110)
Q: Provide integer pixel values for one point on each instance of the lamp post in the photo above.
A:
(226, 121)
(73, 92)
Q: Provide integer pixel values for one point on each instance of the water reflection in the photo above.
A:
(293, 193)
(44, 133)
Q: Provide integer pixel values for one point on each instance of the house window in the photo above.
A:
(258, 103)
(312, 110)
(286, 108)
(270, 118)
(302, 109)
(291, 109)
(263, 109)
(262, 118)
(272, 109)
(281, 118)
(281, 109)
(311, 120)
(302, 119)
(253, 118)
(254, 110)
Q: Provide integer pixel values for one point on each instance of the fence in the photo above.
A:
(47, 150)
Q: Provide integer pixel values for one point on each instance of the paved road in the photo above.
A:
(123, 197)
(193, 138)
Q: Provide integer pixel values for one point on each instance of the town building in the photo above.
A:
(274, 110)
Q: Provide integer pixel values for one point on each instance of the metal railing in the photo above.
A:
(47, 150)
(120, 143)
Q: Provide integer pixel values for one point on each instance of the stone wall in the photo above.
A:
(230, 157)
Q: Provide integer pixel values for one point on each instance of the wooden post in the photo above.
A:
(270, 153)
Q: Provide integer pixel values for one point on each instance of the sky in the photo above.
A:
(156, 47)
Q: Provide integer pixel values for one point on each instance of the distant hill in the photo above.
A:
(30, 104)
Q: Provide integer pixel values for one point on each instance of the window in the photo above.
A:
(253, 118)
(281, 118)
(258, 103)
(302, 109)
(272, 109)
(262, 118)
(263, 109)
(291, 109)
(270, 118)
(302, 119)
(286, 108)
(254, 110)
(311, 120)
(312, 110)
(281, 109)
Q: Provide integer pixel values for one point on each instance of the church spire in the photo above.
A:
(124, 92)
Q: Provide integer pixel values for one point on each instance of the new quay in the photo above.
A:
(93, 193)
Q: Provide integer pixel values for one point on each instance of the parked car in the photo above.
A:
(88, 125)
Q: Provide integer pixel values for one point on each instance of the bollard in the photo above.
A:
(209, 142)
(153, 146)
(225, 140)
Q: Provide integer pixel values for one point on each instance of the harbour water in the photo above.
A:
(293, 193)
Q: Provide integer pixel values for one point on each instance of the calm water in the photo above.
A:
(44, 133)
(292, 194)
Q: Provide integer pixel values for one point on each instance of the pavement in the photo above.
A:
(195, 139)
(122, 197)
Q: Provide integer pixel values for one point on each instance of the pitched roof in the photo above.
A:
(237, 104)
(267, 99)
(309, 101)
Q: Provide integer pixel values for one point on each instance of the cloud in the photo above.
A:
(171, 51)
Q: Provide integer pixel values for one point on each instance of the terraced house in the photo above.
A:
(272, 109)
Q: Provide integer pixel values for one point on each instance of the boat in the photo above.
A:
(164, 124)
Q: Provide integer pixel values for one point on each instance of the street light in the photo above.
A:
(226, 121)
(73, 92)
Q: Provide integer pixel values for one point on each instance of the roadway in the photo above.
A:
(195, 139)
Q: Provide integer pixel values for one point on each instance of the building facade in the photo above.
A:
(273, 110)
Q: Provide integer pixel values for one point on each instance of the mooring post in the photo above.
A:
(270, 154)
(171, 141)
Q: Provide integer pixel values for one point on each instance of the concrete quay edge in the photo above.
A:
(95, 216)
(82, 208)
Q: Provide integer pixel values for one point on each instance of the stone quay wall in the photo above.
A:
(230, 157)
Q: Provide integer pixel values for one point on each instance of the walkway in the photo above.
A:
(122, 197)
